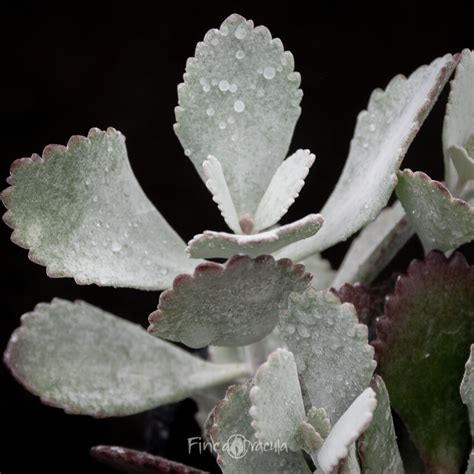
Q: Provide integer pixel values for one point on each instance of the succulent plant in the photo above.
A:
(314, 361)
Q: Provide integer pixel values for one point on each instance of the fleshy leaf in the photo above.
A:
(89, 362)
(277, 403)
(219, 304)
(217, 185)
(347, 429)
(81, 212)
(441, 221)
(321, 270)
(377, 447)
(319, 419)
(382, 136)
(283, 189)
(229, 424)
(131, 461)
(330, 347)
(423, 340)
(375, 247)
(239, 102)
(459, 118)
(213, 244)
(467, 395)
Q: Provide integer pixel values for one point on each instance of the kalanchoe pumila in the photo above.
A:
(298, 353)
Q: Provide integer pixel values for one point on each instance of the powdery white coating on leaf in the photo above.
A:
(217, 184)
(229, 424)
(239, 102)
(375, 247)
(441, 221)
(377, 447)
(81, 212)
(330, 347)
(277, 403)
(347, 429)
(283, 189)
(227, 305)
(89, 362)
(467, 395)
(382, 136)
(459, 118)
(212, 244)
(139, 462)
(321, 269)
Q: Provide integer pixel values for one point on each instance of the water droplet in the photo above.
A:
(224, 30)
(224, 85)
(110, 149)
(240, 54)
(233, 88)
(303, 331)
(98, 224)
(116, 247)
(240, 32)
(239, 106)
(164, 271)
(206, 88)
(290, 329)
(95, 198)
(214, 41)
(188, 152)
(214, 82)
(231, 119)
(210, 111)
(372, 127)
(222, 125)
(269, 73)
(203, 81)
(87, 182)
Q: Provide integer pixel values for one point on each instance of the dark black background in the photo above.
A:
(66, 70)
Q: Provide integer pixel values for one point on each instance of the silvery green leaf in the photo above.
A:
(277, 403)
(319, 419)
(213, 244)
(375, 247)
(382, 136)
(377, 447)
(238, 451)
(321, 269)
(239, 102)
(459, 119)
(219, 303)
(467, 395)
(217, 185)
(330, 347)
(79, 358)
(441, 221)
(283, 189)
(81, 213)
(355, 420)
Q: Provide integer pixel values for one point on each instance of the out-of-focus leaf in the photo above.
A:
(423, 340)
(467, 395)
